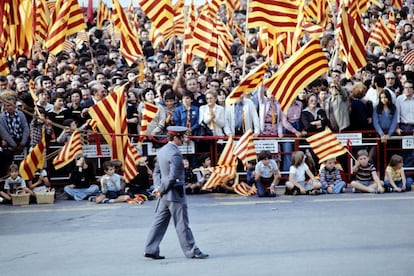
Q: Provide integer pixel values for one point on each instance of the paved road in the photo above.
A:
(347, 234)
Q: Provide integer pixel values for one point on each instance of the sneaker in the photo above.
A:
(1, 199)
(106, 200)
(92, 199)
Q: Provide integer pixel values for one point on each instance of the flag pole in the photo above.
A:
(246, 29)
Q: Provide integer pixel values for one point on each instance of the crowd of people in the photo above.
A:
(379, 97)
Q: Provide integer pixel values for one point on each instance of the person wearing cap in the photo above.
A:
(169, 182)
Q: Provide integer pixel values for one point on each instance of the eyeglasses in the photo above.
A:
(408, 87)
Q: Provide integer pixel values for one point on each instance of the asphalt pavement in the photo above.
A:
(346, 234)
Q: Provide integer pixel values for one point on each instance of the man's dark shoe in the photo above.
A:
(200, 255)
(154, 256)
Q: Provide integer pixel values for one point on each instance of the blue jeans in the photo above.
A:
(288, 147)
(408, 183)
(263, 187)
(81, 193)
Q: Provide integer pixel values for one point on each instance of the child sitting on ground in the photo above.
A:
(14, 183)
(191, 185)
(366, 178)
(266, 175)
(395, 179)
(330, 177)
(298, 171)
(110, 186)
(40, 183)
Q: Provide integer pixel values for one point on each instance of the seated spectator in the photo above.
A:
(330, 177)
(191, 184)
(110, 186)
(40, 183)
(395, 179)
(14, 183)
(80, 180)
(203, 172)
(141, 183)
(366, 177)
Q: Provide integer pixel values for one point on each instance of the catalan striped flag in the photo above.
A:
(130, 48)
(252, 81)
(244, 190)
(226, 167)
(408, 58)
(317, 11)
(263, 42)
(279, 14)
(219, 53)
(42, 20)
(149, 112)
(381, 35)
(4, 67)
(188, 34)
(325, 145)
(391, 24)
(203, 33)
(110, 115)
(131, 160)
(353, 39)
(34, 160)
(291, 78)
(56, 37)
(397, 4)
(160, 12)
(70, 150)
(103, 14)
(245, 149)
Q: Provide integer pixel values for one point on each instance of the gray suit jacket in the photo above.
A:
(169, 173)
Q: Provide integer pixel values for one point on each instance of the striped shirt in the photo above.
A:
(365, 173)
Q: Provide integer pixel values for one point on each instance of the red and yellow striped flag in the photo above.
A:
(42, 20)
(381, 35)
(291, 78)
(397, 4)
(391, 24)
(226, 167)
(131, 160)
(274, 14)
(203, 33)
(4, 67)
(34, 160)
(103, 14)
(188, 43)
(160, 12)
(149, 112)
(110, 116)
(70, 150)
(245, 149)
(252, 81)
(408, 58)
(325, 145)
(353, 38)
(56, 37)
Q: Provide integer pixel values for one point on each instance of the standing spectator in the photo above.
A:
(385, 116)
(361, 111)
(337, 109)
(313, 118)
(405, 111)
(36, 129)
(212, 115)
(187, 114)
(157, 124)
(75, 107)
(14, 128)
(132, 113)
(59, 113)
(240, 117)
(270, 114)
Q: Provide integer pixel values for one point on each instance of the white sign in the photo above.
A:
(90, 151)
(407, 142)
(355, 138)
(270, 145)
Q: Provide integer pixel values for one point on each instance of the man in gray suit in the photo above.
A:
(169, 182)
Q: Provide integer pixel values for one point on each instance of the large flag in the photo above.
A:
(56, 37)
(245, 149)
(70, 150)
(325, 145)
(292, 77)
(408, 58)
(42, 18)
(34, 160)
(353, 38)
(252, 81)
(110, 116)
(274, 14)
(149, 112)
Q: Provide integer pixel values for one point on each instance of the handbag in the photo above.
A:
(203, 130)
